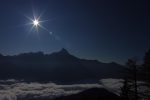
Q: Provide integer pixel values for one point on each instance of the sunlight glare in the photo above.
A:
(36, 22)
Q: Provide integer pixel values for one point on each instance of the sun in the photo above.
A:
(35, 22)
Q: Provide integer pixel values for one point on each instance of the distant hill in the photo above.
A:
(59, 66)
(91, 94)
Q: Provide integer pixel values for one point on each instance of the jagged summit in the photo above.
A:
(64, 51)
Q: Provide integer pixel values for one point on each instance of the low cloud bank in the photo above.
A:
(15, 90)
(20, 90)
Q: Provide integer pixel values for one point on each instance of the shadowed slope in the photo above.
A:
(91, 94)
(59, 66)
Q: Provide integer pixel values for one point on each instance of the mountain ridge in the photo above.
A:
(58, 66)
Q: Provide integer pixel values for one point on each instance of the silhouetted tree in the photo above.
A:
(125, 90)
(146, 70)
(132, 65)
(147, 63)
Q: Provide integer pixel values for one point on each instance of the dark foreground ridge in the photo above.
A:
(59, 66)
(91, 94)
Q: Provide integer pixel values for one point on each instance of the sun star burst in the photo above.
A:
(36, 22)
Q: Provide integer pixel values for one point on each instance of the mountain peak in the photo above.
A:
(63, 51)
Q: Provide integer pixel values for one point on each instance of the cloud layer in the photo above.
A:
(20, 90)
(15, 90)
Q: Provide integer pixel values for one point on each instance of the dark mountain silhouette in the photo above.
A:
(59, 66)
(91, 94)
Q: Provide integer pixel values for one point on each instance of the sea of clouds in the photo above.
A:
(20, 90)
